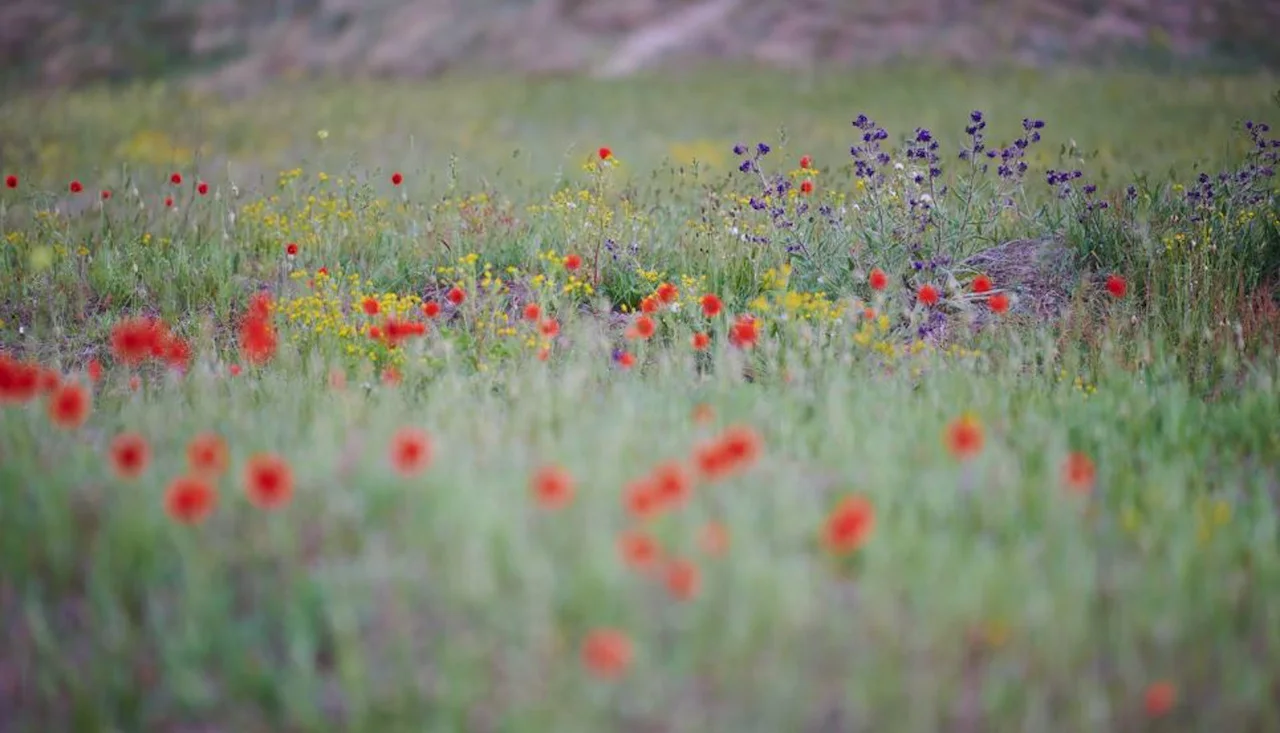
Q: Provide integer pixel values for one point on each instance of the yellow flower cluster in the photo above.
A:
(1078, 383)
(776, 278)
(329, 214)
(802, 306)
(329, 313)
(547, 282)
(791, 304)
(323, 310)
(869, 331)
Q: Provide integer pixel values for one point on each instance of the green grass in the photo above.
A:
(989, 595)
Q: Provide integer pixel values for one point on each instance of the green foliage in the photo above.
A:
(992, 589)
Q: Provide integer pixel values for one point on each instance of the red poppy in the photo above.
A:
(711, 305)
(742, 445)
(370, 306)
(176, 352)
(105, 194)
(268, 481)
(94, 370)
(928, 295)
(396, 331)
(396, 179)
(982, 284)
(712, 461)
(644, 327)
(877, 279)
(626, 360)
(649, 304)
(682, 579)
(168, 202)
(572, 262)
(701, 341)
(549, 328)
(207, 455)
(607, 653)
(260, 306)
(1079, 473)
(75, 187)
(69, 406)
(805, 162)
(175, 178)
(806, 187)
(639, 550)
(234, 370)
(10, 181)
(735, 450)
(411, 451)
(134, 340)
(202, 188)
(190, 499)
(431, 309)
(671, 483)
(456, 295)
(130, 455)
(744, 332)
(257, 336)
(641, 499)
(1160, 698)
(257, 342)
(291, 249)
(667, 293)
(532, 312)
(604, 153)
(999, 303)
(19, 381)
(849, 525)
(964, 437)
(553, 487)
(1117, 286)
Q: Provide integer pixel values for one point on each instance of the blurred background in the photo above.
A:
(233, 45)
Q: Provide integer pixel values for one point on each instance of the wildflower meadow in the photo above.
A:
(897, 400)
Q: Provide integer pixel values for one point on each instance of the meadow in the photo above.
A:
(902, 399)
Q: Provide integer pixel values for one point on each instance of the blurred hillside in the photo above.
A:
(233, 44)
